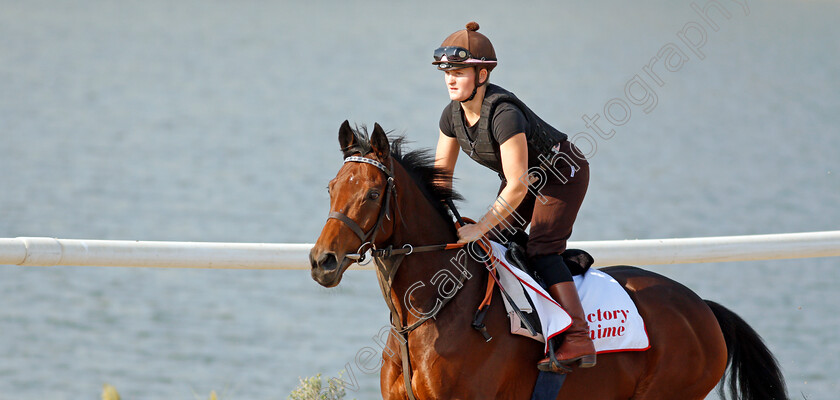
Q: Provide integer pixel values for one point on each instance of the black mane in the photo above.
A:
(420, 165)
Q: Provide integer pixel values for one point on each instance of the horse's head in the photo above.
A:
(360, 203)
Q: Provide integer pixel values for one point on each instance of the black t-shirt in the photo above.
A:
(507, 121)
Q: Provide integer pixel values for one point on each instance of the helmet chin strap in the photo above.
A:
(477, 85)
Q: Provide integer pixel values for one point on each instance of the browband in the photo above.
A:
(373, 162)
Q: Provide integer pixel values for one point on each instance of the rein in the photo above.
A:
(389, 255)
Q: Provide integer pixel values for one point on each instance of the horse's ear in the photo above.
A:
(346, 137)
(379, 142)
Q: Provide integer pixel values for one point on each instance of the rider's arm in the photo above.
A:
(514, 152)
(446, 155)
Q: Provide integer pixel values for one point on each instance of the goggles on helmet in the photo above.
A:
(456, 57)
(452, 54)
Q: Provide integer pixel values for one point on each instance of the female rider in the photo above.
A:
(544, 176)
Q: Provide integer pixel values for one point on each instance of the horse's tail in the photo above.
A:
(753, 370)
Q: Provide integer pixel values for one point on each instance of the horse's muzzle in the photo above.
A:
(326, 269)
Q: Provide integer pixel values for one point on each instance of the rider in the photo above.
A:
(544, 176)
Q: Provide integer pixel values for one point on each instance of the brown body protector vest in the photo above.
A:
(541, 136)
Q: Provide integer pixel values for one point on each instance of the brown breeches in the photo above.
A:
(551, 209)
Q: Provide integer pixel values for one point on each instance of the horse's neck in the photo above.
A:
(422, 276)
(418, 223)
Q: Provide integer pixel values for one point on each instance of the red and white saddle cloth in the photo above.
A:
(614, 321)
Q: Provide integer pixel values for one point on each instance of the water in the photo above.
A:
(217, 121)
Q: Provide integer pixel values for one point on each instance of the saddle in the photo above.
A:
(578, 261)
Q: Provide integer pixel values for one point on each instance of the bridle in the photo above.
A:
(386, 273)
(389, 255)
(368, 237)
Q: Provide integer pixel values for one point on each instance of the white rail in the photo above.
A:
(116, 253)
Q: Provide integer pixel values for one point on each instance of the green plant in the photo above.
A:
(312, 388)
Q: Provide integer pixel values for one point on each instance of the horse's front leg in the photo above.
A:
(391, 380)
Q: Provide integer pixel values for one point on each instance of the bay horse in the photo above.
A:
(390, 203)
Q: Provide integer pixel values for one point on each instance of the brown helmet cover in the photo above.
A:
(483, 54)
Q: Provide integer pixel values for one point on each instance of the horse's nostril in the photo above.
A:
(328, 262)
(324, 261)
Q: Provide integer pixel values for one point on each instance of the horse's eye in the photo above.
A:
(373, 195)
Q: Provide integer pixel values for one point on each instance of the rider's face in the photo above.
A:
(460, 83)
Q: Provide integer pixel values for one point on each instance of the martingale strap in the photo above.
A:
(386, 276)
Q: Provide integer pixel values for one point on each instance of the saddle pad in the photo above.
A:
(614, 321)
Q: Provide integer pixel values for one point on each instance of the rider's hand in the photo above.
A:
(469, 233)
